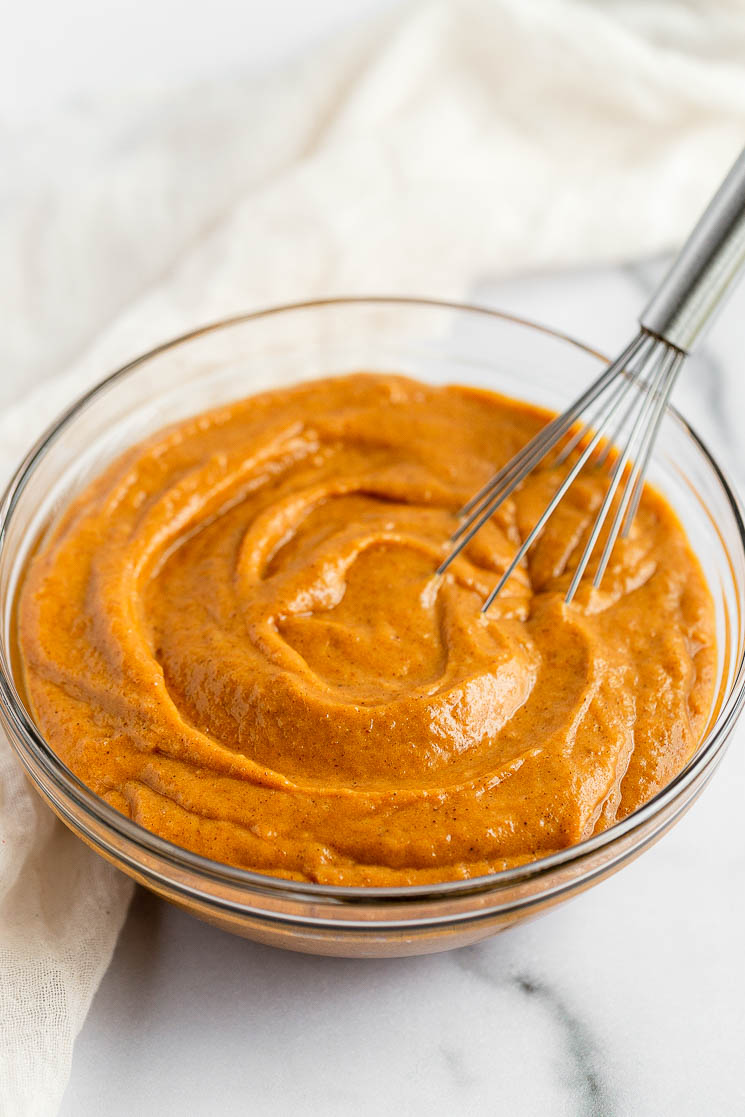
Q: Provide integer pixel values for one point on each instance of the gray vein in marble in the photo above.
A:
(594, 1100)
(593, 1095)
(455, 1063)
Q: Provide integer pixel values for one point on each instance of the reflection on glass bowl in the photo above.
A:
(440, 343)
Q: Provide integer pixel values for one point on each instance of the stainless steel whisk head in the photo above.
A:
(624, 405)
(616, 420)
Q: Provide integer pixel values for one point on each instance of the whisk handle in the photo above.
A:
(706, 268)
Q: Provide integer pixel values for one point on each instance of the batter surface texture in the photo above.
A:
(236, 637)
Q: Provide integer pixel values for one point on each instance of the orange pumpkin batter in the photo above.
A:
(236, 637)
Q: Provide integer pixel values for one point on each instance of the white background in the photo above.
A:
(55, 51)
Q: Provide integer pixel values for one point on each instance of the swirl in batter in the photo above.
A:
(236, 637)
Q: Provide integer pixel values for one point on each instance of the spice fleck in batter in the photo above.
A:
(236, 637)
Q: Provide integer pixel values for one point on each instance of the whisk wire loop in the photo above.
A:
(541, 443)
(638, 385)
(706, 268)
(641, 465)
(632, 493)
(611, 405)
(486, 502)
(658, 376)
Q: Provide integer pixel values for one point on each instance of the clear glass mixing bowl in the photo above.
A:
(440, 343)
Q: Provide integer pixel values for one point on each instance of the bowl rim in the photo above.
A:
(254, 882)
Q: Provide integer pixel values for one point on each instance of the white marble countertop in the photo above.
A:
(627, 1002)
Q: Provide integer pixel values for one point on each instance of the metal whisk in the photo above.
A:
(616, 420)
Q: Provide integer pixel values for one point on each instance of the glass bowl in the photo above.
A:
(441, 343)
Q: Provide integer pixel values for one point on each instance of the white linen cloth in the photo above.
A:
(449, 141)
